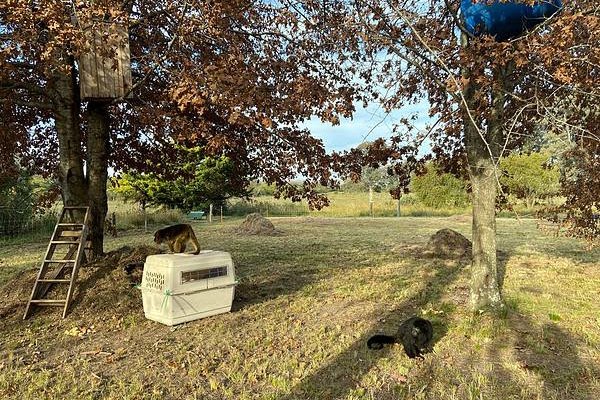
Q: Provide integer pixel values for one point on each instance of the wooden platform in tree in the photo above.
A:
(104, 66)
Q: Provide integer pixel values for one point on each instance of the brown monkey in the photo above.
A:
(176, 237)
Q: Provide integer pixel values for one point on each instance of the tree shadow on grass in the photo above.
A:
(547, 354)
(289, 269)
(343, 373)
(548, 243)
(272, 286)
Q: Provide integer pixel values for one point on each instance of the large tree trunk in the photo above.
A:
(97, 171)
(66, 107)
(485, 290)
(483, 146)
(79, 188)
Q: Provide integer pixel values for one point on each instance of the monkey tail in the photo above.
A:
(195, 241)
(376, 342)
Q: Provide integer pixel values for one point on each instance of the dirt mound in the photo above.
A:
(448, 243)
(103, 286)
(125, 256)
(256, 224)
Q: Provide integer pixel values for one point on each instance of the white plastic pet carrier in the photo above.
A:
(177, 288)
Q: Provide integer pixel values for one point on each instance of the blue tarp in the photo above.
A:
(505, 20)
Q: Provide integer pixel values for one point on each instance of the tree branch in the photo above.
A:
(457, 21)
(30, 104)
(22, 85)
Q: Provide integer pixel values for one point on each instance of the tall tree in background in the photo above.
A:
(232, 77)
(529, 177)
(190, 182)
(237, 78)
(485, 95)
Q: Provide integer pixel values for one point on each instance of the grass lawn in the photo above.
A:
(306, 303)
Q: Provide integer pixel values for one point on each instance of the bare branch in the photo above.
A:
(457, 21)
(30, 87)
(30, 104)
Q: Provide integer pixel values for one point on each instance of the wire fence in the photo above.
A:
(18, 225)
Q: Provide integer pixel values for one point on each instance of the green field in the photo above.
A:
(342, 204)
(307, 301)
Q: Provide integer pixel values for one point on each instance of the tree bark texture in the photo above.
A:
(483, 148)
(66, 108)
(485, 290)
(81, 187)
(98, 148)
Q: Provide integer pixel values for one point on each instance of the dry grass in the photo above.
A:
(342, 204)
(307, 301)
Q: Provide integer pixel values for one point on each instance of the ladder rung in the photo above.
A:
(73, 234)
(70, 233)
(47, 302)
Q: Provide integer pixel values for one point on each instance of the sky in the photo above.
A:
(366, 125)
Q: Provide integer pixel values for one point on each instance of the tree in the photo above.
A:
(576, 153)
(580, 185)
(438, 189)
(235, 78)
(21, 198)
(374, 179)
(486, 94)
(198, 183)
(17, 203)
(529, 177)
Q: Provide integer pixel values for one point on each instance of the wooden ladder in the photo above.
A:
(70, 237)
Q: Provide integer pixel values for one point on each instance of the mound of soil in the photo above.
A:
(256, 224)
(124, 257)
(102, 286)
(448, 243)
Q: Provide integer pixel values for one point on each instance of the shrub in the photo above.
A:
(271, 207)
(528, 177)
(440, 190)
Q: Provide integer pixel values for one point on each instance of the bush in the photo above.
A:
(262, 189)
(440, 190)
(16, 204)
(275, 207)
(133, 217)
(529, 178)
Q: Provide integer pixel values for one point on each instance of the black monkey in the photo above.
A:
(415, 335)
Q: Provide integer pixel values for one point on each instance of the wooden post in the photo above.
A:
(398, 208)
(142, 207)
(371, 201)
(210, 213)
(221, 214)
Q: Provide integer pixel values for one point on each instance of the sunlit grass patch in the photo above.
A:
(307, 301)
(342, 204)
